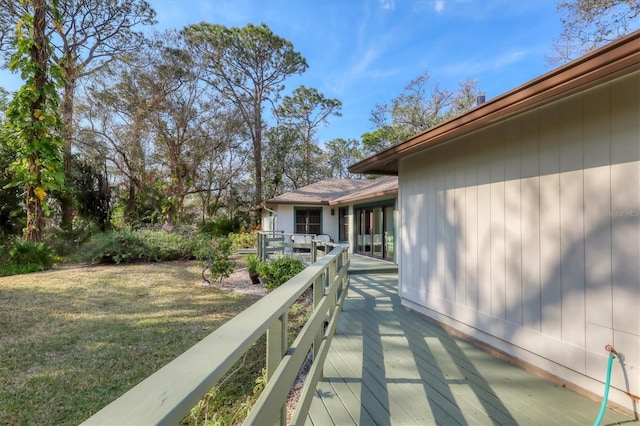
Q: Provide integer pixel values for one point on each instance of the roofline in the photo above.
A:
(618, 58)
(380, 194)
(300, 203)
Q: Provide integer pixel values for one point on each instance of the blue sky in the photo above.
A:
(365, 52)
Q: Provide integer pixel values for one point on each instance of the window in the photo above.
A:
(343, 224)
(374, 228)
(308, 221)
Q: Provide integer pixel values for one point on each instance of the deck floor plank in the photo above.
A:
(377, 402)
(389, 366)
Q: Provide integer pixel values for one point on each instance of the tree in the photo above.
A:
(341, 153)
(589, 24)
(417, 109)
(32, 122)
(89, 35)
(169, 136)
(11, 209)
(304, 111)
(248, 66)
(116, 132)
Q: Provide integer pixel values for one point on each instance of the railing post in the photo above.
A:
(260, 248)
(318, 293)
(276, 348)
(314, 251)
(331, 275)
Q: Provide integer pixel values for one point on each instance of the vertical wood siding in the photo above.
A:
(526, 234)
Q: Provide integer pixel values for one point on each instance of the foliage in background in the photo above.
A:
(589, 24)
(12, 215)
(20, 256)
(126, 246)
(418, 108)
(248, 67)
(279, 271)
(91, 193)
(220, 227)
(243, 240)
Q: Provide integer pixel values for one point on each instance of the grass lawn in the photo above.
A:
(75, 338)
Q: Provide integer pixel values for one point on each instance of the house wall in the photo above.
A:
(285, 220)
(526, 235)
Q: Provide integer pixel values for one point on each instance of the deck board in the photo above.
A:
(389, 366)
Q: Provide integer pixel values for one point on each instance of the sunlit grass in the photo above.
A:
(74, 339)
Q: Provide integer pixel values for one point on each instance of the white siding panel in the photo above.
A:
(625, 217)
(498, 254)
(484, 227)
(450, 252)
(597, 224)
(625, 205)
(529, 237)
(572, 224)
(440, 229)
(513, 224)
(530, 223)
(550, 254)
(460, 231)
(471, 228)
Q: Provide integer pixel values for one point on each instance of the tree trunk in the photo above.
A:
(35, 218)
(66, 200)
(131, 201)
(40, 58)
(257, 152)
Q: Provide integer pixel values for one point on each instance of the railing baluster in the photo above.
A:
(276, 348)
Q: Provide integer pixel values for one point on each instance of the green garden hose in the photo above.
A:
(603, 407)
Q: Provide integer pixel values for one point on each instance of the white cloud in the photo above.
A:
(387, 4)
(438, 6)
(475, 66)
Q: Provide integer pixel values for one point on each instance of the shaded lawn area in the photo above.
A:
(75, 338)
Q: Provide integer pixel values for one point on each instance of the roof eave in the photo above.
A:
(300, 202)
(381, 194)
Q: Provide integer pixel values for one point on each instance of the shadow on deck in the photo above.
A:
(389, 366)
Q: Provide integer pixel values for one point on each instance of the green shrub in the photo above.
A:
(243, 240)
(219, 227)
(23, 252)
(20, 257)
(162, 246)
(252, 263)
(279, 271)
(219, 262)
(113, 247)
(67, 242)
(7, 269)
(127, 246)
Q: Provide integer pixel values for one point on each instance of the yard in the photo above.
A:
(75, 338)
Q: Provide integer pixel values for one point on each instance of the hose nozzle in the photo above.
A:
(610, 349)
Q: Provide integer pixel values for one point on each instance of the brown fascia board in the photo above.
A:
(380, 194)
(615, 59)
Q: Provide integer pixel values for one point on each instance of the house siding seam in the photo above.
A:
(526, 235)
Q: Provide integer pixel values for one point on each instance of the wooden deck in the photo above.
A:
(389, 366)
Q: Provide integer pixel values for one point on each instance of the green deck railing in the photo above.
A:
(280, 243)
(168, 395)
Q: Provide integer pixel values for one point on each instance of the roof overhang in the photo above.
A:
(371, 196)
(299, 203)
(613, 60)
